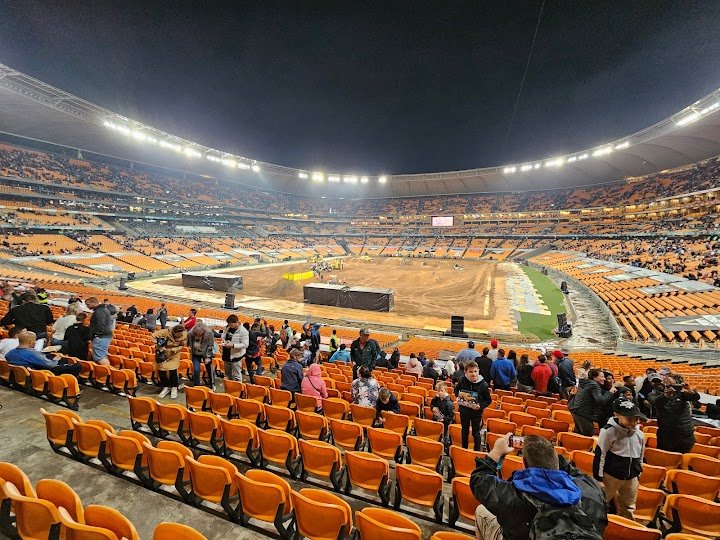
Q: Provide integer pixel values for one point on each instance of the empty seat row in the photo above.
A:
(58, 389)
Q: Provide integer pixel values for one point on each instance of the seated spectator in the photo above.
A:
(26, 355)
(386, 402)
(365, 388)
(313, 385)
(341, 355)
(413, 366)
(507, 509)
(149, 321)
(62, 324)
(431, 371)
(11, 342)
(291, 374)
(77, 338)
(422, 358)
(524, 375)
(541, 375)
(442, 407)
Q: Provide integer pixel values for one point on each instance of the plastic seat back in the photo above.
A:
(176, 531)
(347, 435)
(463, 460)
(305, 403)
(91, 437)
(15, 475)
(424, 452)
(366, 470)
(495, 425)
(264, 495)
(385, 443)
(648, 503)
(320, 458)
(652, 475)
(694, 514)
(251, 410)
(172, 417)
(428, 429)
(548, 434)
(376, 523)
(311, 425)
(692, 483)
(335, 408)
(142, 410)
(240, 435)
(620, 528)
(197, 398)
(278, 446)
(575, 441)
(365, 416)
(257, 392)
(111, 519)
(321, 515)
(399, 423)
(280, 398)
(463, 502)
(222, 404)
(61, 495)
(511, 464)
(165, 463)
(419, 486)
(583, 460)
(125, 449)
(59, 428)
(36, 518)
(278, 417)
(72, 530)
(702, 464)
(210, 475)
(234, 388)
(661, 458)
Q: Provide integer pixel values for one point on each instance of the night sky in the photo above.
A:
(375, 87)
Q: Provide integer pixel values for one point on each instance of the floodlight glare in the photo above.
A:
(333, 178)
(302, 175)
(622, 145)
(689, 119)
(229, 163)
(509, 170)
(171, 146)
(318, 176)
(582, 156)
(602, 151)
(525, 168)
(557, 162)
(242, 165)
(382, 179)
(191, 152)
(364, 180)
(350, 179)
(536, 166)
(255, 167)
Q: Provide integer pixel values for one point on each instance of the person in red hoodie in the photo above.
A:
(541, 374)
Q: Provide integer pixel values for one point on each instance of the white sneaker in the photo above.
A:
(173, 393)
(164, 392)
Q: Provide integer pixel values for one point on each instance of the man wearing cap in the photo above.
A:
(364, 352)
(467, 355)
(493, 352)
(619, 454)
(566, 372)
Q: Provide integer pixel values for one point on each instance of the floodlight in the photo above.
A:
(302, 175)
(572, 159)
(229, 162)
(318, 176)
(364, 180)
(536, 166)
(333, 178)
(350, 179)
(509, 170)
(525, 168)
(255, 167)
(382, 179)
(602, 151)
(710, 108)
(171, 146)
(557, 162)
(689, 119)
(191, 152)
(139, 135)
(243, 165)
(622, 145)
(582, 156)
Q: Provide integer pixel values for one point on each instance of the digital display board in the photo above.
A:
(442, 221)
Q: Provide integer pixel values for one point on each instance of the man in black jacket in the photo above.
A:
(586, 406)
(566, 372)
(291, 374)
(484, 362)
(675, 424)
(30, 315)
(505, 511)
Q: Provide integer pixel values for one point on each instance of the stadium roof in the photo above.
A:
(32, 109)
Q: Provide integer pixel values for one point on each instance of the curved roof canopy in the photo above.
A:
(36, 110)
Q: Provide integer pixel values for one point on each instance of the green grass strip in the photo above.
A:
(553, 298)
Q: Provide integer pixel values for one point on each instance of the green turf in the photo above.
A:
(553, 298)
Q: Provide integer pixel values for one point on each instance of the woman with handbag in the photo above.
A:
(169, 345)
(201, 341)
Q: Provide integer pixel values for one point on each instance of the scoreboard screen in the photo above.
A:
(442, 221)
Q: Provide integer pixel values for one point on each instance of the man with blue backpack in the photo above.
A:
(548, 499)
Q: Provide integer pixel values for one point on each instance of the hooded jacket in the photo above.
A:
(502, 371)
(173, 347)
(619, 452)
(675, 423)
(480, 391)
(313, 385)
(414, 367)
(589, 400)
(506, 500)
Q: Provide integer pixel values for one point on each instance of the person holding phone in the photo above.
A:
(671, 401)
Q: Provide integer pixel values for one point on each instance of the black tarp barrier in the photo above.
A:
(349, 297)
(212, 282)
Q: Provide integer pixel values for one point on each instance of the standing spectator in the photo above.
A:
(512, 356)
(285, 333)
(341, 355)
(42, 296)
(484, 363)
(191, 320)
(62, 324)
(113, 311)
(442, 407)
(675, 423)
(502, 371)
(629, 383)
(644, 386)
(101, 330)
(618, 456)
(386, 402)
(162, 315)
(78, 338)
(364, 352)
(492, 353)
(235, 340)
(30, 315)
(169, 345)
(413, 367)
(291, 374)
(468, 354)
(150, 321)
(315, 340)
(524, 376)
(541, 375)
(508, 509)
(253, 354)
(473, 395)
(606, 410)
(334, 343)
(365, 388)
(458, 374)
(583, 370)
(201, 341)
(586, 406)
(16, 297)
(313, 385)
(131, 311)
(26, 355)
(566, 372)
